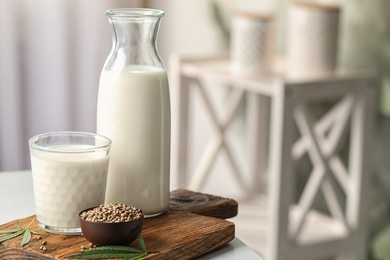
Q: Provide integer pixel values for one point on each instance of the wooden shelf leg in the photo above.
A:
(257, 140)
(280, 171)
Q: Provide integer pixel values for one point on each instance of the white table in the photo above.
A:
(17, 201)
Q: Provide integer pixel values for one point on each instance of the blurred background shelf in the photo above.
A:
(282, 128)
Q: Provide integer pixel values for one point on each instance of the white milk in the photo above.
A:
(66, 183)
(134, 112)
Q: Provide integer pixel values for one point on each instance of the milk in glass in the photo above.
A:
(69, 171)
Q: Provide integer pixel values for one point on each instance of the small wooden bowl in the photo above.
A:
(122, 233)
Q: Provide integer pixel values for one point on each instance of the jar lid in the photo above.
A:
(254, 15)
(317, 6)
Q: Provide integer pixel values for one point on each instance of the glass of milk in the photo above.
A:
(69, 171)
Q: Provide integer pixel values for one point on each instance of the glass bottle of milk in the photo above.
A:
(134, 112)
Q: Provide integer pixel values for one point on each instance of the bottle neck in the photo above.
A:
(134, 42)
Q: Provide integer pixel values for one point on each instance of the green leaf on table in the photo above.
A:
(26, 237)
(9, 231)
(124, 252)
(12, 233)
(134, 257)
(141, 242)
(95, 255)
(116, 249)
(10, 236)
(107, 252)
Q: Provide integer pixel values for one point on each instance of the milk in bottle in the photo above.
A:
(134, 112)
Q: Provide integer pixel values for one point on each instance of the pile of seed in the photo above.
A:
(112, 213)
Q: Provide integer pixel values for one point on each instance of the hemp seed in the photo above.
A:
(112, 213)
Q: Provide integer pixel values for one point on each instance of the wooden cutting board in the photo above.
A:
(194, 225)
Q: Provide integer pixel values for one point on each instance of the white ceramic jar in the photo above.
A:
(251, 42)
(312, 42)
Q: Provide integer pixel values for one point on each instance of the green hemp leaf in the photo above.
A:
(26, 231)
(123, 252)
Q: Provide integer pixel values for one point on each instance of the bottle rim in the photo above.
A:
(134, 13)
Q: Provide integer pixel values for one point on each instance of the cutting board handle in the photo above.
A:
(202, 204)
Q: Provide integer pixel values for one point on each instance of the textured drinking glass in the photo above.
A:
(69, 171)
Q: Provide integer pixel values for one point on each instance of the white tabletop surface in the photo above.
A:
(17, 201)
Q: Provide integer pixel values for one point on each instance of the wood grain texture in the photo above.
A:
(184, 232)
(202, 204)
